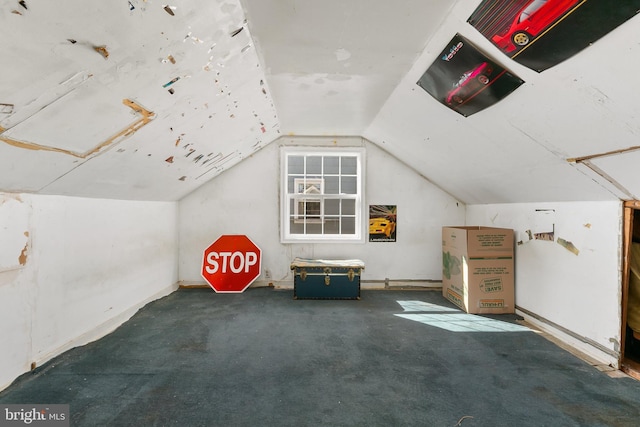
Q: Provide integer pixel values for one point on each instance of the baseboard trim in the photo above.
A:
(581, 343)
(364, 284)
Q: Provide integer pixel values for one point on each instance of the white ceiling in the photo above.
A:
(79, 123)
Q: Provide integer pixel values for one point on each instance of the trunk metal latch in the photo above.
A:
(327, 278)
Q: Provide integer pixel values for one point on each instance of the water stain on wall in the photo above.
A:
(14, 242)
(22, 259)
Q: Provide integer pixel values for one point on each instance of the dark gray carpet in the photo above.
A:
(196, 358)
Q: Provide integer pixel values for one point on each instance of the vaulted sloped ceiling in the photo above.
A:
(144, 100)
(535, 144)
(332, 64)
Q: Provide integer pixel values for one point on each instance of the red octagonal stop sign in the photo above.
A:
(231, 263)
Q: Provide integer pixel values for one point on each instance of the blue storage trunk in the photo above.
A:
(326, 279)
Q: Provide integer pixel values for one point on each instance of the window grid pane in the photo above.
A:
(323, 198)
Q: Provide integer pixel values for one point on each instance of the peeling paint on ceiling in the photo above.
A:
(187, 75)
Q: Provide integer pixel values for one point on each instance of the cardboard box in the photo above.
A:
(478, 269)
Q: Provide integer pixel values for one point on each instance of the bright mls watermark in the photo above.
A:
(12, 415)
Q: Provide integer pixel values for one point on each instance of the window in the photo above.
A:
(322, 194)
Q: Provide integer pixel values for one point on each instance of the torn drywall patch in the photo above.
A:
(543, 227)
(6, 108)
(568, 246)
(547, 235)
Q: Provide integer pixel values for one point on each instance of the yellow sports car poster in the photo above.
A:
(382, 223)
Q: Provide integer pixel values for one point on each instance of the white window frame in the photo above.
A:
(303, 184)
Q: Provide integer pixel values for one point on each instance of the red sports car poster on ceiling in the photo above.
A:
(466, 80)
(542, 33)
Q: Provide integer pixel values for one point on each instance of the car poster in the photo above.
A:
(542, 33)
(466, 80)
(382, 223)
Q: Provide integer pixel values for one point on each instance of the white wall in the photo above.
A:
(83, 266)
(245, 200)
(575, 297)
(72, 269)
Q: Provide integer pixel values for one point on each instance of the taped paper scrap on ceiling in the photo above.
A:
(172, 81)
(102, 50)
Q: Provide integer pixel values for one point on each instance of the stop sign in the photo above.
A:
(231, 263)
